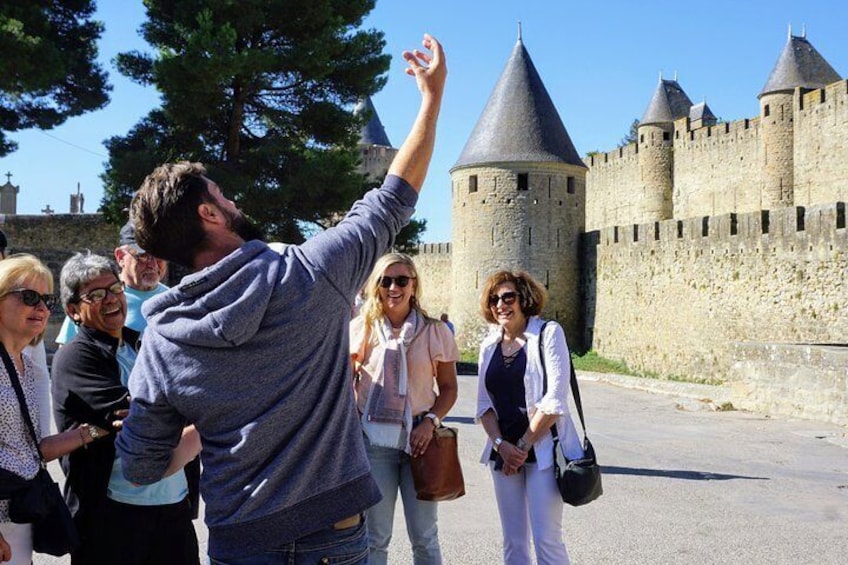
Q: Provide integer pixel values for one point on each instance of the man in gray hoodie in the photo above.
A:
(252, 349)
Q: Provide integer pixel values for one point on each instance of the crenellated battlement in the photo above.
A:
(621, 153)
(774, 228)
(434, 248)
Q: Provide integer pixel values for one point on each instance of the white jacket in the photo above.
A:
(555, 401)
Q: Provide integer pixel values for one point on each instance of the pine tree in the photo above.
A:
(261, 93)
(48, 68)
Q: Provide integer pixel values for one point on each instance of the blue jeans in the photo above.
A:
(392, 471)
(348, 547)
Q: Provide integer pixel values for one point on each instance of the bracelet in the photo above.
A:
(82, 438)
(523, 445)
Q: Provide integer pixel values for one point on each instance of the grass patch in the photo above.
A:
(592, 362)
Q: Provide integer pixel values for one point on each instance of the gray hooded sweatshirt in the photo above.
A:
(254, 351)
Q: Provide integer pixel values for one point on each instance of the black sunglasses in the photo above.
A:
(32, 298)
(507, 297)
(99, 294)
(401, 281)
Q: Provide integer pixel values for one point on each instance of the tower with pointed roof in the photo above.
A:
(518, 193)
(375, 149)
(656, 161)
(9, 196)
(800, 66)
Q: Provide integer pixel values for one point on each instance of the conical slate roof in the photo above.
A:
(519, 122)
(373, 133)
(799, 65)
(668, 103)
(701, 111)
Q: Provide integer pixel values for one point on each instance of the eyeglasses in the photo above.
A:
(507, 297)
(401, 281)
(32, 298)
(142, 257)
(99, 294)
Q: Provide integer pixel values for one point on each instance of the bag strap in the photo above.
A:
(19, 391)
(575, 390)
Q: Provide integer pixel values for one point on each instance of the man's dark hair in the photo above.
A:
(164, 212)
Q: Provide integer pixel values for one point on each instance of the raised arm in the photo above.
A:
(430, 71)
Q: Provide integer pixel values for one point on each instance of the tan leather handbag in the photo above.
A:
(437, 474)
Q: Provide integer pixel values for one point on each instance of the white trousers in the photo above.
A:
(530, 502)
(19, 537)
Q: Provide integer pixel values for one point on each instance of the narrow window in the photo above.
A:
(615, 234)
(529, 236)
(569, 183)
(734, 224)
(767, 110)
(642, 138)
(840, 215)
(635, 233)
(764, 220)
(800, 214)
(679, 229)
(666, 136)
(523, 181)
(705, 226)
(472, 183)
(656, 231)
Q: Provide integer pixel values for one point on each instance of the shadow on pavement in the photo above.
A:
(675, 474)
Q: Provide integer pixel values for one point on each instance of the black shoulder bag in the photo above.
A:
(39, 501)
(579, 480)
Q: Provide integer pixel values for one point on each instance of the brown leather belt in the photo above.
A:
(354, 520)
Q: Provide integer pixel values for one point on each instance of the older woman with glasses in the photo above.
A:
(518, 415)
(26, 296)
(405, 384)
(118, 521)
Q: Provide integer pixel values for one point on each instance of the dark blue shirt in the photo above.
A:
(505, 383)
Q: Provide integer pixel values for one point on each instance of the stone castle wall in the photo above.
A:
(734, 166)
(433, 263)
(673, 297)
(821, 139)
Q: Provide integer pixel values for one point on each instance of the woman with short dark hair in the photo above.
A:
(118, 522)
(517, 413)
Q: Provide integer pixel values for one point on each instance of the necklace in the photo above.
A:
(511, 348)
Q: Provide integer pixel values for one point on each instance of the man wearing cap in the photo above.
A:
(141, 274)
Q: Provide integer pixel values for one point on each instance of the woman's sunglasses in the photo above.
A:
(99, 294)
(401, 281)
(32, 298)
(507, 297)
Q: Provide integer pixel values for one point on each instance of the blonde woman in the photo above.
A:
(26, 296)
(405, 384)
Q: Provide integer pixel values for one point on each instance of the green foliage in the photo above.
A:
(48, 69)
(594, 363)
(260, 92)
(632, 135)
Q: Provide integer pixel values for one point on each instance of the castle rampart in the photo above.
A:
(821, 138)
(433, 262)
(674, 297)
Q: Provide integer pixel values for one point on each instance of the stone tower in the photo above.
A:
(799, 66)
(518, 194)
(9, 196)
(656, 154)
(375, 149)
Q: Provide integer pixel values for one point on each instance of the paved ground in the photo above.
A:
(684, 484)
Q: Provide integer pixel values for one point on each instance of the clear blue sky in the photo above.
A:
(599, 61)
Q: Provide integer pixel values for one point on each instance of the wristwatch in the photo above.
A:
(496, 445)
(523, 445)
(436, 421)
(93, 432)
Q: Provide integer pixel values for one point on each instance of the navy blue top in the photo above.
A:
(505, 383)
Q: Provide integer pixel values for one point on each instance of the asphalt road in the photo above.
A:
(684, 484)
